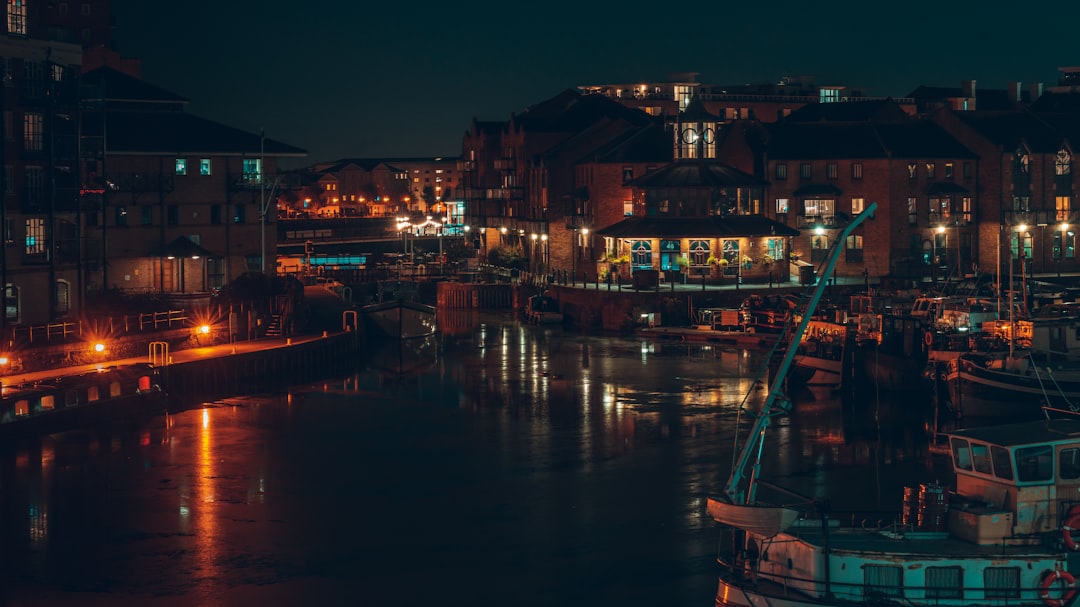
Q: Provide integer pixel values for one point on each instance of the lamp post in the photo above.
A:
(945, 249)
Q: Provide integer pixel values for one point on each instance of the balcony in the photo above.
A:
(1040, 217)
(815, 221)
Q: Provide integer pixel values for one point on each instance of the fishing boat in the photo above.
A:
(821, 357)
(1035, 363)
(1002, 535)
(33, 408)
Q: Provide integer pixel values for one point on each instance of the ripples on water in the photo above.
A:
(499, 464)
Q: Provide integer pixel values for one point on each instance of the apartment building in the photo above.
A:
(171, 203)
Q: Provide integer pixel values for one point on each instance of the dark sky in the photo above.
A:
(385, 79)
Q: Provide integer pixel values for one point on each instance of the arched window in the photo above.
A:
(641, 254)
(63, 297)
(11, 303)
(699, 252)
(1063, 163)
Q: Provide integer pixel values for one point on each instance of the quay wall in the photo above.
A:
(617, 310)
(258, 370)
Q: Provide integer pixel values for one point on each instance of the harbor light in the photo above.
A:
(99, 347)
(204, 329)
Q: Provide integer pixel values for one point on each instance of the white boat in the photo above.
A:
(1003, 535)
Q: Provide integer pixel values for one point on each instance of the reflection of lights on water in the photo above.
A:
(205, 418)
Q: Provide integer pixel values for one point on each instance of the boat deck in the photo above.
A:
(915, 543)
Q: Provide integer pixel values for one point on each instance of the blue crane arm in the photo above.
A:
(740, 488)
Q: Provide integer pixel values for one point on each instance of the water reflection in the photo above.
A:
(574, 465)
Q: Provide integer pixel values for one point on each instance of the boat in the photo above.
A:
(1021, 367)
(542, 309)
(1018, 385)
(821, 357)
(399, 319)
(46, 406)
(1003, 534)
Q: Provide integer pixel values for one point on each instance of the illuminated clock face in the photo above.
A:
(689, 135)
(707, 135)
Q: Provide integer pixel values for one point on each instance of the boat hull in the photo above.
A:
(981, 391)
(859, 566)
(80, 401)
(399, 319)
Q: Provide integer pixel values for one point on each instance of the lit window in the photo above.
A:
(204, 166)
(781, 205)
(16, 17)
(35, 236)
(181, 166)
(33, 135)
(856, 206)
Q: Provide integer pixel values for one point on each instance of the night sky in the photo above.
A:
(364, 79)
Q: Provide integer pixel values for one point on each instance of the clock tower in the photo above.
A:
(696, 131)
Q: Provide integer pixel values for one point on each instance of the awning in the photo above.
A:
(184, 247)
(817, 189)
(946, 187)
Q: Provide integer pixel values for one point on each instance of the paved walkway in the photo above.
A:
(175, 357)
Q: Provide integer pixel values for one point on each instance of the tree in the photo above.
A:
(429, 196)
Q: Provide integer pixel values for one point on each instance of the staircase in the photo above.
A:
(273, 329)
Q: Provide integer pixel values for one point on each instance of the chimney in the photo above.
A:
(1034, 91)
(1014, 91)
(968, 89)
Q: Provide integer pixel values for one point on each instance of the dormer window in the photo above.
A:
(1021, 163)
(1063, 163)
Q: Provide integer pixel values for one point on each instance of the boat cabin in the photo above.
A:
(1030, 471)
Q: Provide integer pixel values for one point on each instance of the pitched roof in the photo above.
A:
(114, 86)
(141, 132)
(144, 119)
(1052, 101)
(849, 111)
(571, 112)
(1009, 129)
(705, 227)
(649, 144)
(697, 173)
(913, 139)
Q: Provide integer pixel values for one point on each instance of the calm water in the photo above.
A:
(506, 464)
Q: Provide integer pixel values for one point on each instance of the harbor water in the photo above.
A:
(500, 463)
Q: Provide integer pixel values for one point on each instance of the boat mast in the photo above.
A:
(742, 472)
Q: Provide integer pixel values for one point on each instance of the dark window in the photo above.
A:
(215, 214)
(173, 214)
(856, 170)
(805, 172)
(781, 171)
(830, 170)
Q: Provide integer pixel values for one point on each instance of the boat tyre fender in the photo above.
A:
(1072, 523)
(1067, 588)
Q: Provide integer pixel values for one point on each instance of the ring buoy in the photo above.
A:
(928, 339)
(1072, 523)
(1067, 589)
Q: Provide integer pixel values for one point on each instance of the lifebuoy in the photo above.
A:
(1067, 590)
(928, 339)
(1072, 523)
